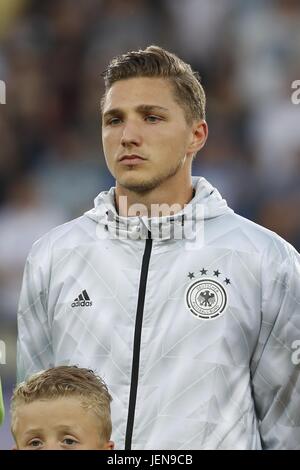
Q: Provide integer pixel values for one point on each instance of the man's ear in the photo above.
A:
(198, 137)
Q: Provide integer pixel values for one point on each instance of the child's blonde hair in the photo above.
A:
(66, 381)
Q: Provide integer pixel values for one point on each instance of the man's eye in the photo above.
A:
(152, 118)
(113, 121)
(69, 441)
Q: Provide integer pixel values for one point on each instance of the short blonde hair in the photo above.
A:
(66, 381)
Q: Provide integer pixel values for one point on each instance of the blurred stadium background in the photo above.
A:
(51, 163)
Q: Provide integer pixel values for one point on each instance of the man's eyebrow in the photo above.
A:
(113, 112)
(151, 107)
(142, 108)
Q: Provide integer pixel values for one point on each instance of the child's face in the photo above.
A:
(58, 424)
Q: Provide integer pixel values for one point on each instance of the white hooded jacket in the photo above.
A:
(196, 330)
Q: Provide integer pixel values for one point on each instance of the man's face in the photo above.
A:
(146, 137)
(58, 424)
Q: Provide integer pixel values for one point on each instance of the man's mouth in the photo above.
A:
(131, 159)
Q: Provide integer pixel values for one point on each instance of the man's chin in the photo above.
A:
(138, 189)
(137, 185)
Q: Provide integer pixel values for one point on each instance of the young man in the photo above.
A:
(62, 408)
(189, 311)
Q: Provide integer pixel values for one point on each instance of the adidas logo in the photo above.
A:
(82, 300)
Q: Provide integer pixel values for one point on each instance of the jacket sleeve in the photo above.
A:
(2, 413)
(34, 346)
(276, 362)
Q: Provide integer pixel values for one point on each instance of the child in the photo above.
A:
(62, 408)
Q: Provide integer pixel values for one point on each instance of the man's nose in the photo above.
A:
(131, 135)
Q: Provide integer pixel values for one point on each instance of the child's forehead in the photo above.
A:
(55, 412)
(50, 407)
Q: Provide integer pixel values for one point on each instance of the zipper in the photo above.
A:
(137, 342)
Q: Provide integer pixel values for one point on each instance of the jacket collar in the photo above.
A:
(207, 203)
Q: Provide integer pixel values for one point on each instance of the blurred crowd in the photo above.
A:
(52, 53)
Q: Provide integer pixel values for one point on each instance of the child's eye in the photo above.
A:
(35, 443)
(69, 441)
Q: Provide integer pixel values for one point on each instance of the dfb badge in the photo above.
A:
(206, 299)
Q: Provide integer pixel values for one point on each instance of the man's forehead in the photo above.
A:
(141, 91)
(141, 108)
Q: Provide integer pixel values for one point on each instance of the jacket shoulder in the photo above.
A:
(66, 236)
(257, 238)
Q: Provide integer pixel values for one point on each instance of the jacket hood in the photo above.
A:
(207, 203)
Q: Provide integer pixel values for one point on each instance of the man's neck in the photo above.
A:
(162, 201)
